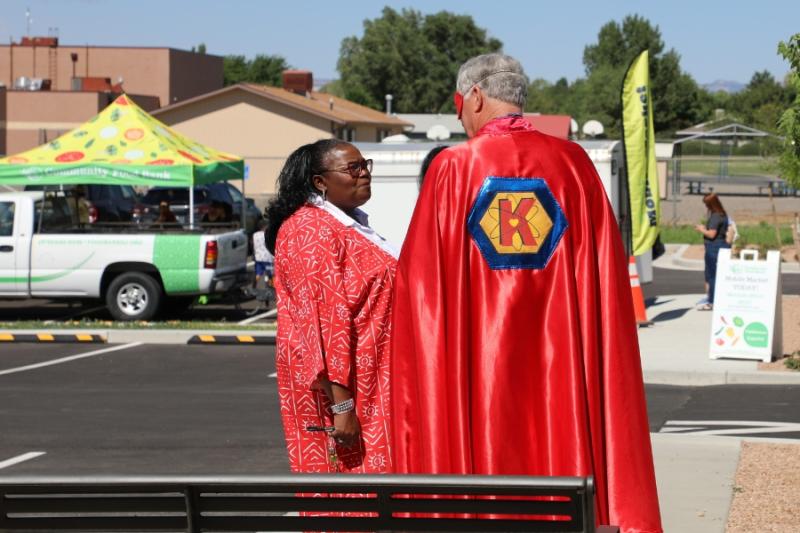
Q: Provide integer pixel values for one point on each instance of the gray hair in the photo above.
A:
(499, 76)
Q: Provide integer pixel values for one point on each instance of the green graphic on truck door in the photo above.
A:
(47, 277)
(177, 258)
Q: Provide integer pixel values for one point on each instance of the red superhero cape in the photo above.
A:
(514, 345)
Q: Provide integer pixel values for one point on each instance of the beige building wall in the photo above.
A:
(366, 133)
(2, 120)
(30, 112)
(172, 75)
(33, 117)
(260, 130)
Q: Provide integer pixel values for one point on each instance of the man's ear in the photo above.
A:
(478, 99)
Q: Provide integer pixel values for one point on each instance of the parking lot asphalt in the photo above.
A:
(140, 409)
(195, 409)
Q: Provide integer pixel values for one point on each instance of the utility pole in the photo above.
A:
(28, 21)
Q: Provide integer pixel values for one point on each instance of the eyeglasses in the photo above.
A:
(355, 168)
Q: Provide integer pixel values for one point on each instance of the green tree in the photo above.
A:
(235, 69)
(414, 58)
(761, 102)
(333, 87)
(267, 70)
(789, 123)
(263, 69)
(617, 45)
(677, 100)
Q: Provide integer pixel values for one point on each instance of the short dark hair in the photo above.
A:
(429, 157)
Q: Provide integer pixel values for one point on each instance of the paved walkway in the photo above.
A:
(694, 473)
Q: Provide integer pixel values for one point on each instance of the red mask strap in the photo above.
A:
(458, 100)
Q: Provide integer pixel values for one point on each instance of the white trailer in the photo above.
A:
(395, 186)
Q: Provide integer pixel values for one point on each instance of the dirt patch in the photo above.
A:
(765, 489)
(791, 333)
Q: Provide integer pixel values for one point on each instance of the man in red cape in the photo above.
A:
(514, 348)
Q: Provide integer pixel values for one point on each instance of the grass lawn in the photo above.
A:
(736, 167)
(762, 235)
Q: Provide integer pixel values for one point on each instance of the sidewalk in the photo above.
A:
(694, 473)
(674, 258)
(674, 349)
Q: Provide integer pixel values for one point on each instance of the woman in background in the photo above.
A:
(714, 240)
(334, 281)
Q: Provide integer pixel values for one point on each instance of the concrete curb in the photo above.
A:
(701, 378)
(60, 337)
(676, 259)
(232, 339)
(145, 336)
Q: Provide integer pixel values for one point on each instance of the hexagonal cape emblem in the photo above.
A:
(516, 223)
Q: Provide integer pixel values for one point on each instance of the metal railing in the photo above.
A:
(304, 502)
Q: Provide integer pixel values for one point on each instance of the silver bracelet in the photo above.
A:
(343, 407)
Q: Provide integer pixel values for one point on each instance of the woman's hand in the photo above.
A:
(347, 430)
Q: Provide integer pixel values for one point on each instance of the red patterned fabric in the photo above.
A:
(334, 291)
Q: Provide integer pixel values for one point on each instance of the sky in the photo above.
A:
(716, 40)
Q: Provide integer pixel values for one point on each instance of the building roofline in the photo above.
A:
(117, 47)
(288, 101)
(246, 88)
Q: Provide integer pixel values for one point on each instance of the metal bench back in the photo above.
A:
(274, 503)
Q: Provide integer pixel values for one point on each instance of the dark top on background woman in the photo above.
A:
(714, 240)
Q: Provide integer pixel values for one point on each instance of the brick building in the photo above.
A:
(50, 88)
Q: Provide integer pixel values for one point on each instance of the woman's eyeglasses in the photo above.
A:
(355, 168)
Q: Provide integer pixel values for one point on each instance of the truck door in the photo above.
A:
(11, 281)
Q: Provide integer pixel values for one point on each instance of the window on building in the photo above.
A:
(347, 134)
(381, 135)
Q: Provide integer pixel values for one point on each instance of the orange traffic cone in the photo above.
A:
(637, 294)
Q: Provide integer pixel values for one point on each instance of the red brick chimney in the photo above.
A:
(298, 81)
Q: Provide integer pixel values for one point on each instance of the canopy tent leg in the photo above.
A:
(244, 205)
(191, 206)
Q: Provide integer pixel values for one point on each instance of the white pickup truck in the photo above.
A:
(46, 252)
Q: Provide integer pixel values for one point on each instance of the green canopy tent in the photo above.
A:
(122, 145)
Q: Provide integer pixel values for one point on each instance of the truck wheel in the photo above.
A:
(133, 296)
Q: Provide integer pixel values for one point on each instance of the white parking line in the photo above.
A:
(19, 459)
(268, 314)
(745, 427)
(68, 359)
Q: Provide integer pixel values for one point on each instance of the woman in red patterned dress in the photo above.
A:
(333, 278)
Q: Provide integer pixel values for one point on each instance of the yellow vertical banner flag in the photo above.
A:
(638, 138)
